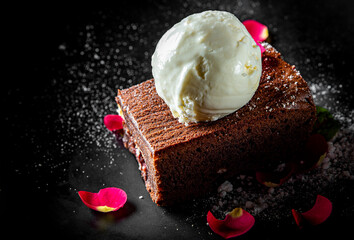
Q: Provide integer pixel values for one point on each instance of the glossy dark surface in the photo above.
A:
(66, 64)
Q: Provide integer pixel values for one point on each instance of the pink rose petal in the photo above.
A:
(235, 223)
(113, 122)
(321, 210)
(106, 200)
(258, 31)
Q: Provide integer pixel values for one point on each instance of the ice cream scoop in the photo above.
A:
(206, 66)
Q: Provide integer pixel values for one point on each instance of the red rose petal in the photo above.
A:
(316, 215)
(275, 178)
(317, 145)
(319, 212)
(315, 152)
(113, 122)
(299, 220)
(235, 223)
(258, 31)
(106, 200)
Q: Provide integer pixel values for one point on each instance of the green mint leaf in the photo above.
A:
(325, 125)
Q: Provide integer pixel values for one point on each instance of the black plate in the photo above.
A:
(66, 64)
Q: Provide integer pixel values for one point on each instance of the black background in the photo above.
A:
(49, 154)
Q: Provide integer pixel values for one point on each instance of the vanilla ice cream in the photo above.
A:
(206, 66)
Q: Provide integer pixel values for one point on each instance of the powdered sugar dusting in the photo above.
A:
(335, 172)
(113, 65)
(104, 57)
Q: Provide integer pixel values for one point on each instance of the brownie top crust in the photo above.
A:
(281, 89)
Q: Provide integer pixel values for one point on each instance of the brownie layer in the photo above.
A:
(179, 162)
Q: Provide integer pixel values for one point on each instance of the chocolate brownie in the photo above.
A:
(180, 162)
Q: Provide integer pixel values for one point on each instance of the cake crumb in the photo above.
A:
(225, 187)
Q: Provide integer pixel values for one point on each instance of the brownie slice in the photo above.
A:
(179, 162)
